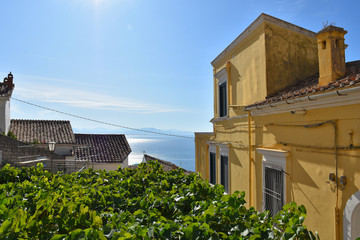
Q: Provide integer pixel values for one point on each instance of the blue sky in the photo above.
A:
(138, 63)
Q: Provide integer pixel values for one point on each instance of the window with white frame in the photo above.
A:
(274, 185)
(222, 93)
(212, 164)
(224, 167)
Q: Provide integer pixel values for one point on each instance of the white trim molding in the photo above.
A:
(351, 217)
(340, 97)
(221, 75)
(276, 159)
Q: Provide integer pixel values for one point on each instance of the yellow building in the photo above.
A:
(286, 124)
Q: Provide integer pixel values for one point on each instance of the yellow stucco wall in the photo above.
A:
(290, 57)
(309, 166)
(273, 56)
(247, 71)
(311, 159)
(201, 153)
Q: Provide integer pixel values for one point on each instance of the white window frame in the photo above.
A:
(222, 78)
(224, 151)
(212, 149)
(276, 159)
(351, 209)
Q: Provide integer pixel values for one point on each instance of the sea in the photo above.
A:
(180, 151)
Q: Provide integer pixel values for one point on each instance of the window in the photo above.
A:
(274, 165)
(323, 44)
(222, 93)
(212, 164)
(225, 172)
(224, 167)
(222, 99)
(273, 190)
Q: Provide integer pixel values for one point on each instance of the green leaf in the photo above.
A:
(58, 237)
(255, 236)
(5, 226)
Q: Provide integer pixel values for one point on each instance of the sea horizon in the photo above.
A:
(180, 151)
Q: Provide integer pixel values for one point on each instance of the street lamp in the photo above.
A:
(51, 149)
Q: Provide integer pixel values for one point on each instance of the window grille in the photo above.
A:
(273, 190)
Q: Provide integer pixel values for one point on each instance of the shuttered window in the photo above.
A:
(212, 164)
(222, 99)
(224, 163)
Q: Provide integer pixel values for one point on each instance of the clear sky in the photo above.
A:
(138, 63)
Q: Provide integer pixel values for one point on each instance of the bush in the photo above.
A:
(142, 203)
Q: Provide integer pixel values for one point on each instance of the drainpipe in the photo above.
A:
(339, 93)
(250, 160)
(228, 65)
(337, 210)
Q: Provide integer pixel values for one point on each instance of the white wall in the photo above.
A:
(4, 114)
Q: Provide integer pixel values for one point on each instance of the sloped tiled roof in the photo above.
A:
(102, 148)
(30, 131)
(167, 166)
(311, 86)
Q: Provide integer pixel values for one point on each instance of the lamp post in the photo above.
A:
(51, 149)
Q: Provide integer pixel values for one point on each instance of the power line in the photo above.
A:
(102, 122)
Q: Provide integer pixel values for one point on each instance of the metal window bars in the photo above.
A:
(273, 190)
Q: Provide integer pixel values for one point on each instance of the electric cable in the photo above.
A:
(102, 122)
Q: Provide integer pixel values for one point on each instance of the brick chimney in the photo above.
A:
(9, 81)
(331, 51)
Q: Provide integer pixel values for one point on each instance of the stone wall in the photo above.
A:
(14, 151)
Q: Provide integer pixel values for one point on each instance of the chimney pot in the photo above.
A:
(331, 52)
(9, 81)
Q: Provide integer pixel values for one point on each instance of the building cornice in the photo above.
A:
(336, 98)
(261, 19)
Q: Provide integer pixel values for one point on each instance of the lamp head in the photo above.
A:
(52, 146)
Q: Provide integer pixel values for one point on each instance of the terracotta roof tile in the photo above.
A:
(42, 131)
(167, 166)
(102, 147)
(311, 85)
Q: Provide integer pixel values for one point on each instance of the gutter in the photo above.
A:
(341, 92)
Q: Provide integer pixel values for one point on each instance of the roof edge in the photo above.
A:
(39, 120)
(255, 24)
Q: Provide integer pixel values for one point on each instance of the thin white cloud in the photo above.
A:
(33, 78)
(86, 99)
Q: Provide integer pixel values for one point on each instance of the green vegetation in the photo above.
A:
(10, 134)
(145, 203)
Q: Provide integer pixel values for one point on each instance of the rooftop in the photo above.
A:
(310, 86)
(261, 19)
(167, 166)
(102, 148)
(42, 131)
